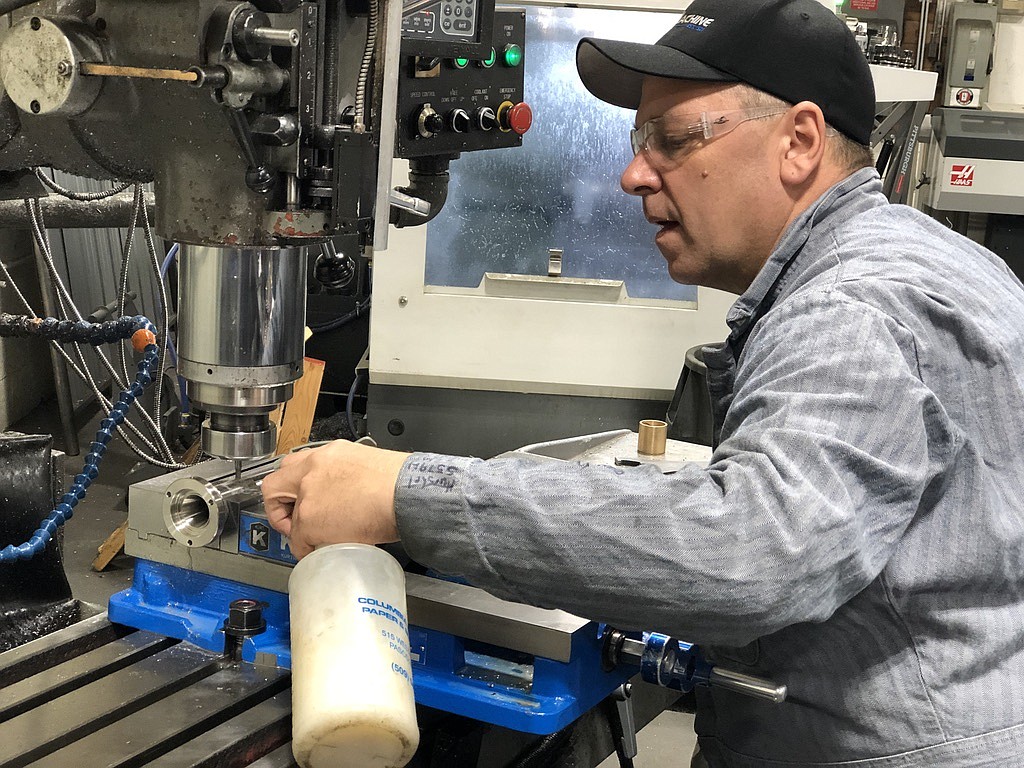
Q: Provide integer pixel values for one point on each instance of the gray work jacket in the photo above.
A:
(859, 532)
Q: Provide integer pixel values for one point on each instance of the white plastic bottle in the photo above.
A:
(352, 695)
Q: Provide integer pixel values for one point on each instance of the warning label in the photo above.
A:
(863, 5)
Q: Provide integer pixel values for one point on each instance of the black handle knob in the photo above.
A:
(486, 119)
(258, 176)
(460, 121)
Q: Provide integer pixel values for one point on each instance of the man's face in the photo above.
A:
(716, 201)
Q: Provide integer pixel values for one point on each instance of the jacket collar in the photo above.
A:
(856, 193)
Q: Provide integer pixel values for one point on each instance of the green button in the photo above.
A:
(513, 55)
(461, 62)
(489, 61)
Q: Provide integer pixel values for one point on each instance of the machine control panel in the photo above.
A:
(448, 27)
(441, 19)
(451, 104)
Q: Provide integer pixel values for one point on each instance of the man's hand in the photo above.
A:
(342, 492)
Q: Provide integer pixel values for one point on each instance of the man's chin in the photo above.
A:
(683, 277)
(677, 265)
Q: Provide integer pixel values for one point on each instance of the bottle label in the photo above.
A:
(375, 607)
(395, 636)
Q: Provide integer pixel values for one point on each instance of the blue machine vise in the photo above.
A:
(506, 685)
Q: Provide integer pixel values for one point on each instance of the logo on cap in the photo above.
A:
(961, 175)
(696, 22)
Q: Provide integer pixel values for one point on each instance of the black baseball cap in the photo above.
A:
(797, 50)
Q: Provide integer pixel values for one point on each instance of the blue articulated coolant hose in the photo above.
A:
(143, 335)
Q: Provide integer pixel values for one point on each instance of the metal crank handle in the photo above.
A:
(748, 685)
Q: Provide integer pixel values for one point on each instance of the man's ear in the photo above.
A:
(803, 144)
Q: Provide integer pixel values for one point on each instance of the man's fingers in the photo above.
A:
(298, 539)
(279, 512)
(280, 489)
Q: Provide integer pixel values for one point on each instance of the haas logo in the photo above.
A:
(961, 175)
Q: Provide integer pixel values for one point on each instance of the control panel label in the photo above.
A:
(258, 539)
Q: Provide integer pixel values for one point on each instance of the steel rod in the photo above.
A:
(61, 213)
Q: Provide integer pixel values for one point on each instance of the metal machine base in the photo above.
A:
(101, 695)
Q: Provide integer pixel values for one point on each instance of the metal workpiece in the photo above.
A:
(652, 437)
(196, 511)
(241, 315)
(40, 66)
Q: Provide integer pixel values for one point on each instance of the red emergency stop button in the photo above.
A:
(515, 117)
(520, 118)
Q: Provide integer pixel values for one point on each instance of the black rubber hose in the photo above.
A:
(428, 180)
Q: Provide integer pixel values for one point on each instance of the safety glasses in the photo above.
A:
(665, 144)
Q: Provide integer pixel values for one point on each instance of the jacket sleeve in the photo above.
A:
(833, 447)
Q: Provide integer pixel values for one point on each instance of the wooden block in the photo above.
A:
(110, 548)
(277, 414)
(190, 456)
(299, 411)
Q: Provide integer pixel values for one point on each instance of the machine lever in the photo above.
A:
(257, 176)
(146, 73)
(626, 746)
(749, 685)
(285, 38)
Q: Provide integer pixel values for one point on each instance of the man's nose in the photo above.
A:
(640, 178)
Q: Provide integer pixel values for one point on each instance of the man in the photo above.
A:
(859, 532)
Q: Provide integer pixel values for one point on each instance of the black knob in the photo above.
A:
(460, 121)
(259, 179)
(334, 271)
(428, 122)
(434, 123)
(486, 119)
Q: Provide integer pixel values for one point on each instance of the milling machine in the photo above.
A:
(267, 129)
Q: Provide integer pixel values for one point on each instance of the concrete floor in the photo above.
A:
(666, 743)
